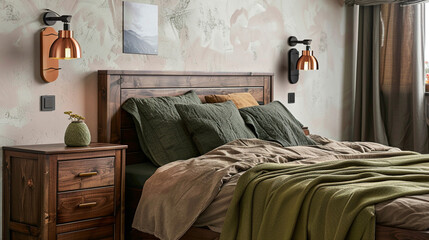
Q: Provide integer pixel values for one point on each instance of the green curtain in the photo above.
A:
(389, 99)
(368, 122)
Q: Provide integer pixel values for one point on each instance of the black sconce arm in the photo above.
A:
(51, 17)
(293, 41)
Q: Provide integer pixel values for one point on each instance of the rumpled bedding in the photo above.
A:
(331, 200)
(198, 191)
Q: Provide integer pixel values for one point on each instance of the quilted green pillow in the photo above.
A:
(273, 122)
(212, 125)
(161, 132)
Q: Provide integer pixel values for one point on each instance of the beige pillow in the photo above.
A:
(241, 100)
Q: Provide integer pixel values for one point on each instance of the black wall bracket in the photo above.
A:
(292, 71)
(294, 57)
(51, 17)
(293, 41)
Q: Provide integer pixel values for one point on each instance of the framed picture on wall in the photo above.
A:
(140, 28)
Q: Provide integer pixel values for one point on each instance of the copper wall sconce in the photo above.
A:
(55, 46)
(306, 62)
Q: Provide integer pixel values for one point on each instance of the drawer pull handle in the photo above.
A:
(90, 204)
(87, 174)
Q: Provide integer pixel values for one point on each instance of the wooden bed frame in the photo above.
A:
(116, 126)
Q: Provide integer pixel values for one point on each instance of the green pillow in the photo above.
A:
(212, 125)
(162, 135)
(273, 122)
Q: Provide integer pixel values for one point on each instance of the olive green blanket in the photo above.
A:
(330, 200)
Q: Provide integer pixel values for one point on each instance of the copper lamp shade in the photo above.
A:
(307, 61)
(65, 47)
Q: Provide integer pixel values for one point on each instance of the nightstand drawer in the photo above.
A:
(98, 233)
(86, 173)
(73, 206)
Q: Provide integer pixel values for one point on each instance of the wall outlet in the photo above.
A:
(291, 97)
(47, 103)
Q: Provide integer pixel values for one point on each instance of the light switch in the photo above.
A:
(291, 97)
(47, 103)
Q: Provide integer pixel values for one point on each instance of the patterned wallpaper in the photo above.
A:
(194, 35)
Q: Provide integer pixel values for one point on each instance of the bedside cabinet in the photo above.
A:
(51, 191)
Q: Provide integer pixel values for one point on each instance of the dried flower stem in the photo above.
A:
(74, 117)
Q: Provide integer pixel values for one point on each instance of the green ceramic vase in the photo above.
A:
(77, 135)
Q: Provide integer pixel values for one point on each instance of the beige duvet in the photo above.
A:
(198, 191)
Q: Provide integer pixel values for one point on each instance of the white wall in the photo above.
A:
(194, 35)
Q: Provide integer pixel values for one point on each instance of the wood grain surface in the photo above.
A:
(257, 92)
(390, 233)
(99, 233)
(68, 209)
(69, 171)
(26, 185)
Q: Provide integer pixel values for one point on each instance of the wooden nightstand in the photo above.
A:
(56, 192)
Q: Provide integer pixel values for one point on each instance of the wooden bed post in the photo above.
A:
(109, 104)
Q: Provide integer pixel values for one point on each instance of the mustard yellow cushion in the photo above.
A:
(241, 100)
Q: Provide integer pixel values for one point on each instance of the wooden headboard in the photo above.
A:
(115, 87)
